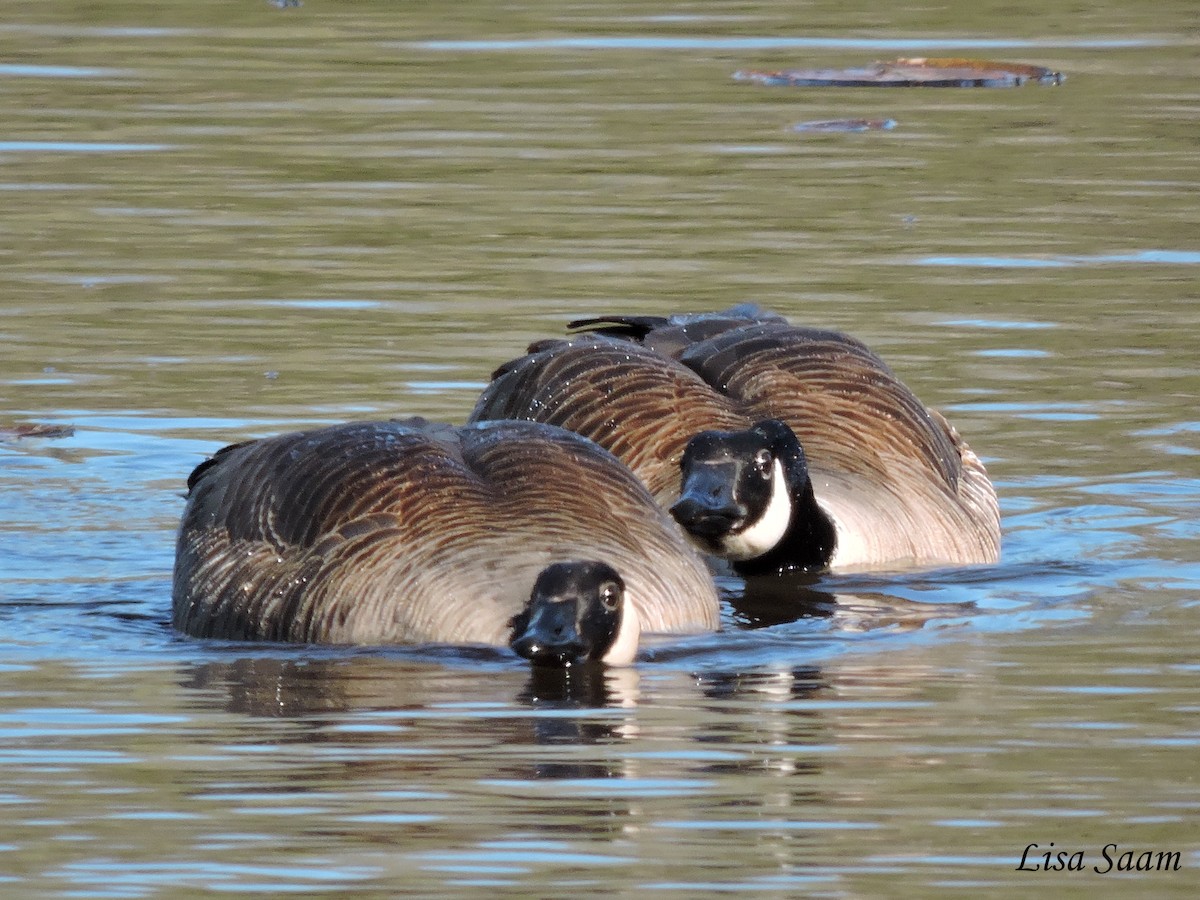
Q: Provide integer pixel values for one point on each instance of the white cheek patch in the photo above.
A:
(768, 529)
(625, 645)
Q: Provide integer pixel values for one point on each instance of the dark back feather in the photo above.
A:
(902, 484)
(637, 404)
(389, 532)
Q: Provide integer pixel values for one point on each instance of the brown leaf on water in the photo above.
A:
(35, 430)
(913, 72)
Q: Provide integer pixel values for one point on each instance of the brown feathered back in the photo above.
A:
(398, 532)
(634, 402)
(901, 485)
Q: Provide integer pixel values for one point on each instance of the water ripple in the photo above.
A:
(1156, 257)
(33, 71)
(77, 147)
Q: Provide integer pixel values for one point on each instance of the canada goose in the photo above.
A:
(777, 447)
(410, 532)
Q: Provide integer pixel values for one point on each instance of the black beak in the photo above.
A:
(551, 636)
(707, 507)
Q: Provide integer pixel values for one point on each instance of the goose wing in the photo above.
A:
(391, 532)
(313, 536)
(899, 481)
(561, 496)
(850, 411)
(672, 335)
(636, 403)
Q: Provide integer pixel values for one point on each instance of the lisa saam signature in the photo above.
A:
(1111, 859)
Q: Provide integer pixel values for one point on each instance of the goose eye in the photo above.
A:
(610, 596)
(762, 463)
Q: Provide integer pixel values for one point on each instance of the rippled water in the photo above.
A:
(226, 224)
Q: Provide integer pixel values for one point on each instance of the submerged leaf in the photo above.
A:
(915, 72)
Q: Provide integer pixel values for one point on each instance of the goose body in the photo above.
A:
(893, 483)
(412, 532)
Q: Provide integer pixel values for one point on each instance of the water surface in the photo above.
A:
(220, 225)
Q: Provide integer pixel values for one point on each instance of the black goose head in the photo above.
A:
(746, 496)
(576, 612)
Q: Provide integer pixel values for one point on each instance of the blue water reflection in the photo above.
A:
(1151, 257)
(78, 147)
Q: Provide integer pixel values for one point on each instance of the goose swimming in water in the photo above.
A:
(501, 533)
(775, 446)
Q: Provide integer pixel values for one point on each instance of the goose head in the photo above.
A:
(578, 611)
(746, 496)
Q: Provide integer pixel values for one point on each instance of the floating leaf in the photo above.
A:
(34, 430)
(1018, 73)
(845, 125)
(916, 72)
